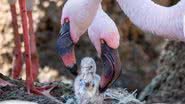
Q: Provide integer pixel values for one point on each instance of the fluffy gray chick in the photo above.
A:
(87, 83)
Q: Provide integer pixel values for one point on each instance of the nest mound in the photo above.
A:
(62, 92)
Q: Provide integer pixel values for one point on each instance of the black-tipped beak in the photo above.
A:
(65, 48)
(112, 66)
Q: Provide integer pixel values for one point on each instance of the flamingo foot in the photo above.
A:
(4, 83)
(45, 90)
(38, 90)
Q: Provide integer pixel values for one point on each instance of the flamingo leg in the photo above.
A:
(30, 48)
(26, 37)
(17, 60)
(34, 54)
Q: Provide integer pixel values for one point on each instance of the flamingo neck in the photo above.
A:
(151, 17)
(84, 17)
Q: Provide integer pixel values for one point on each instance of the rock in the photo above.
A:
(168, 86)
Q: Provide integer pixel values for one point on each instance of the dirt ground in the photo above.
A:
(138, 51)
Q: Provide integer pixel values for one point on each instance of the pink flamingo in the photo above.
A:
(77, 16)
(167, 22)
(31, 58)
(105, 37)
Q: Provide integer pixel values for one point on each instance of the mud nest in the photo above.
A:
(62, 93)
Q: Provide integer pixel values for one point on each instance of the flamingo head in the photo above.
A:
(107, 47)
(65, 47)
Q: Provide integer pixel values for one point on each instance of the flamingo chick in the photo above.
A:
(104, 35)
(167, 22)
(87, 83)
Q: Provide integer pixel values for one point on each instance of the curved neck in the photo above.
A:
(152, 17)
(149, 6)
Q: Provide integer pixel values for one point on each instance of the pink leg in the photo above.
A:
(34, 54)
(17, 60)
(29, 77)
(29, 74)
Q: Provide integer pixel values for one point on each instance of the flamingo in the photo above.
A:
(31, 58)
(77, 16)
(105, 37)
(167, 22)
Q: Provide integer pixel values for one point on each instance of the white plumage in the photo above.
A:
(87, 83)
(167, 22)
(184, 25)
(17, 102)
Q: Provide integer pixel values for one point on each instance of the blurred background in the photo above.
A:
(139, 51)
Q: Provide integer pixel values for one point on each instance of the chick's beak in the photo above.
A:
(65, 48)
(112, 66)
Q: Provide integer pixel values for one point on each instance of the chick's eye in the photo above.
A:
(91, 67)
(87, 84)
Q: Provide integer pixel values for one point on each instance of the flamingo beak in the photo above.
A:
(112, 66)
(65, 48)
